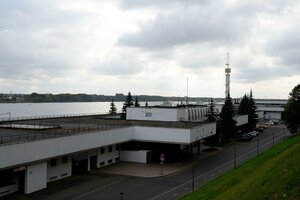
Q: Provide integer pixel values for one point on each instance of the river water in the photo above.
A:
(39, 109)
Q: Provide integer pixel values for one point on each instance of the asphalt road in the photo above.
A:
(205, 168)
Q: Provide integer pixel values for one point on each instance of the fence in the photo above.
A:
(47, 134)
(11, 119)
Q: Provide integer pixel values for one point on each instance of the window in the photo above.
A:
(117, 147)
(109, 161)
(148, 114)
(102, 150)
(64, 159)
(53, 162)
(102, 163)
(117, 159)
(110, 149)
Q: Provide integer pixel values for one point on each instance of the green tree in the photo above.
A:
(248, 107)
(292, 110)
(244, 105)
(211, 113)
(252, 116)
(128, 103)
(227, 124)
(136, 103)
(113, 108)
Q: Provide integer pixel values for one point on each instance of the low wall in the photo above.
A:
(143, 156)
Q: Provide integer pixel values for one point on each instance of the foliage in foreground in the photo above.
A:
(275, 174)
(292, 110)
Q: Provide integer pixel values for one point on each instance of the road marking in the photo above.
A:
(99, 188)
(219, 167)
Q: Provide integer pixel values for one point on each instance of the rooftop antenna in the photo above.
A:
(227, 77)
(187, 90)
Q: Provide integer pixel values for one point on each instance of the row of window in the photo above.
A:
(53, 162)
(109, 161)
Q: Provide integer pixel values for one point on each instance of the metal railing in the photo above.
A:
(54, 133)
(11, 119)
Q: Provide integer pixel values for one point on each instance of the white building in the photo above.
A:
(30, 160)
(271, 109)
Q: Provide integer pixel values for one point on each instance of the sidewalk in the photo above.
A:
(152, 169)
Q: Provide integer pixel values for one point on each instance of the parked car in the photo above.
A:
(258, 129)
(270, 123)
(253, 133)
(245, 137)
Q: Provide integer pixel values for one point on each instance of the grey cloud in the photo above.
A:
(119, 66)
(187, 26)
(129, 4)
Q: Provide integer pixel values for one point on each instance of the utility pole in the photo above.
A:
(234, 157)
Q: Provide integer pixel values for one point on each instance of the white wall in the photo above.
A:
(60, 170)
(35, 177)
(12, 155)
(273, 115)
(160, 134)
(240, 119)
(152, 114)
(107, 157)
(203, 131)
(134, 156)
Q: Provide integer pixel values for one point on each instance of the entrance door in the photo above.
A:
(93, 162)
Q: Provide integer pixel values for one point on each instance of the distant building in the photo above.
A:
(271, 108)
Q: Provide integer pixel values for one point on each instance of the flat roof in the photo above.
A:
(25, 130)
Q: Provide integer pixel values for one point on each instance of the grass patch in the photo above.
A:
(275, 174)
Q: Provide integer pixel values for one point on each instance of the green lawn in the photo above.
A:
(275, 174)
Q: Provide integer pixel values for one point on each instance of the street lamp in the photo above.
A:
(121, 195)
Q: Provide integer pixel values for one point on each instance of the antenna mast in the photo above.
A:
(227, 77)
(187, 90)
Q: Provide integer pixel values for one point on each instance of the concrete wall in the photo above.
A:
(152, 114)
(160, 134)
(62, 169)
(240, 119)
(12, 155)
(35, 177)
(135, 156)
(166, 114)
(107, 158)
(273, 115)
(203, 131)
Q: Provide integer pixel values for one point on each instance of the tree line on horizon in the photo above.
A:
(67, 97)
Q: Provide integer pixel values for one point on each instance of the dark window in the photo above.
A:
(148, 114)
(117, 159)
(110, 149)
(117, 147)
(64, 159)
(109, 161)
(65, 174)
(53, 162)
(102, 150)
(54, 177)
(102, 163)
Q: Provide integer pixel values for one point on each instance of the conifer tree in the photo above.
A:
(292, 110)
(252, 116)
(113, 108)
(227, 124)
(128, 103)
(211, 113)
(136, 103)
(244, 105)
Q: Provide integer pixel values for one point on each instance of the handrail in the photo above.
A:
(30, 137)
(52, 116)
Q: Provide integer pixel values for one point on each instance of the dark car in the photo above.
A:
(245, 137)
(260, 130)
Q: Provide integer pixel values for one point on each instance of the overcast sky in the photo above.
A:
(150, 47)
